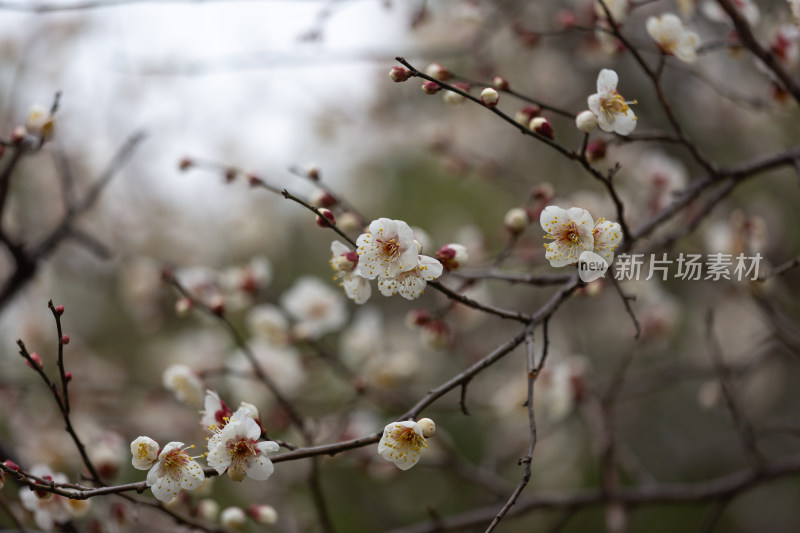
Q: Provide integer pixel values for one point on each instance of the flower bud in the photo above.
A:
(566, 18)
(399, 74)
(35, 359)
(436, 70)
(328, 214)
(543, 127)
(207, 509)
(417, 318)
(185, 163)
(489, 97)
(452, 256)
(64, 339)
(217, 304)
(263, 514)
(436, 335)
(516, 220)
(586, 121)
(454, 98)
(11, 465)
(233, 518)
(322, 198)
(500, 83)
(595, 150)
(251, 409)
(526, 114)
(59, 310)
(312, 172)
(427, 426)
(183, 306)
(430, 87)
(18, 135)
(230, 175)
(68, 376)
(349, 221)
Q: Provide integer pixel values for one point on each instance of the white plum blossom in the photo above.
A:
(184, 383)
(48, 509)
(236, 448)
(673, 37)
(144, 452)
(411, 283)
(174, 471)
(215, 412)
(571, 231)
(402, 443)
(318, 308)
(345, 265)
(268, 322)
(612, 111)
(387, 249)
(607, 236)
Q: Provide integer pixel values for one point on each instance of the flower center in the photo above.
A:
(390, 248)
(614, 104)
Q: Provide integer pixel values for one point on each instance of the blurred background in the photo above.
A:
(274, 89)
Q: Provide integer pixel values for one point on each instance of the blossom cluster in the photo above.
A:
(574, 231)
(389, 253)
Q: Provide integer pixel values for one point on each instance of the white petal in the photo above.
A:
(429, 268)
(339, 248)
(625, 124)
(357, 288)
(551, 217)
(193, 476)
(260, 468)
(607, 81)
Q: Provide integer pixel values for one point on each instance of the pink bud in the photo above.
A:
(323, 199)
(68, 376)
(18, 135)
(417, 318)
(11, 465)
(185, 164)
(313, 173)
(217, 305)
(59, 310)
(252, 179)
(500, 83)
(543, 127)
(430, 87)
(399, 74)
(566, 18)
(595, 150)
(526, 114)
(489, 97)
(36, 360)
(328, 214)
(64, 339)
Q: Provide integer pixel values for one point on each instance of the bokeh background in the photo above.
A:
(275, 88)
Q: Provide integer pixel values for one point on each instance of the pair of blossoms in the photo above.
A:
(390, 253)
(573, 231)
(608, 110)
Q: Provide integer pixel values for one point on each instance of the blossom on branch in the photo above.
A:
(174, 471)
(402, 442)
(387, 249)
(144, 452)
(607, 236)
(571, 231)
(236, 448)
(612, 111)
(48, 509)
(673, 38)
(344, 263)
